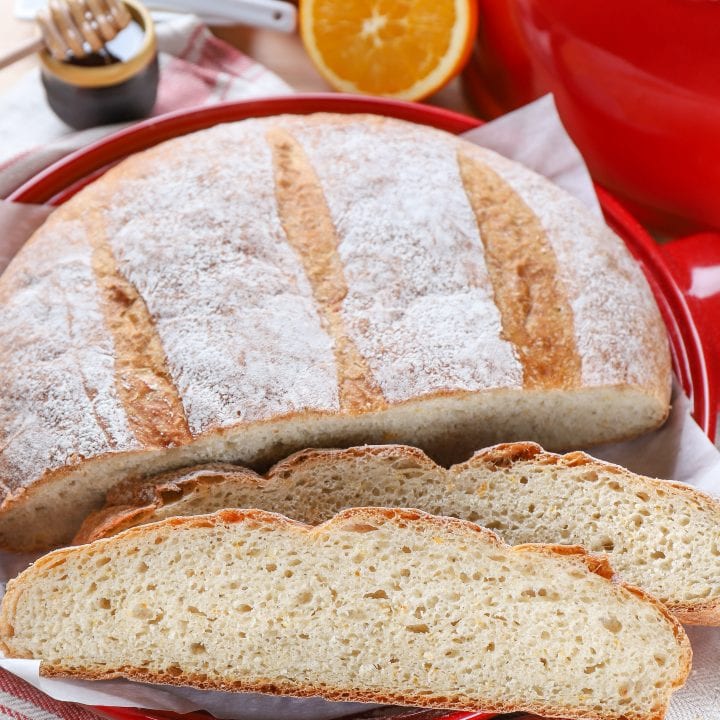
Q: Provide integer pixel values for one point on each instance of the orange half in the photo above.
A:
(405, 49)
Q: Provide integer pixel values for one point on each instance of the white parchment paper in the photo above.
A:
(679, 450)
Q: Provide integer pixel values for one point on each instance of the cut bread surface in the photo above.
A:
(375, 605)
(661, 536)
(341, 280)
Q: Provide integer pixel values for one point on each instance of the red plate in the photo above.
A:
(687, 304)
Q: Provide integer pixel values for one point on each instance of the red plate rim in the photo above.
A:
(64, 178)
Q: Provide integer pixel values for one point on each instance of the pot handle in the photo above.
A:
(694, 262)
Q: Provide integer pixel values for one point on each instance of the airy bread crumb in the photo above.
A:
(659, 535)
(375, 605)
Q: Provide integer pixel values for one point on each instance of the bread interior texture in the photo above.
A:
(376, 605)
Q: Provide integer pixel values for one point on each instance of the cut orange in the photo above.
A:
(397, 48)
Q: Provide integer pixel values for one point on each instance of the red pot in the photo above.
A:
(637, 85)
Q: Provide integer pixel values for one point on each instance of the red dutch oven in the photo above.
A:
(686, 297)
(637, 84)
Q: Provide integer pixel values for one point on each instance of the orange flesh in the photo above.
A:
(383, 47)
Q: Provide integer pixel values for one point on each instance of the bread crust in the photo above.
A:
(337, 695)
(594, 564)
(135, 501)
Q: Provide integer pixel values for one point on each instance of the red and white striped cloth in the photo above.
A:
(21, 701)
(195, 69)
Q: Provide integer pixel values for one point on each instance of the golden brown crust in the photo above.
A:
(506, 454)
(135, 502)
(310, 231)
(411, 455)
(536, 314)
(111, 520)
(703, 613)
(167, 486)
(596, 563)
(350, 517)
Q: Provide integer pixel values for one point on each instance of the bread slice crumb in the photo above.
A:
(375, 605)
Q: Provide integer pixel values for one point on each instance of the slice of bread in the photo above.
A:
(377, 605)
(661, 536)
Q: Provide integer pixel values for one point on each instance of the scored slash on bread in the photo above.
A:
(377, 605)
(661, 536)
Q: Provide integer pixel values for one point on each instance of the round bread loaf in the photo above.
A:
(265, 286)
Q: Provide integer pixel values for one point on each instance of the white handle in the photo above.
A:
(271, 14)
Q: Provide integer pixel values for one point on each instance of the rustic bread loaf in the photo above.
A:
(375, 605)
(261, 287)
(661, 536)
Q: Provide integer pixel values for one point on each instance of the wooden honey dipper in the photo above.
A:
(73, 28)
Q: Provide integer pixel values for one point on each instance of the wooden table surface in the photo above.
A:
(281, 53)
